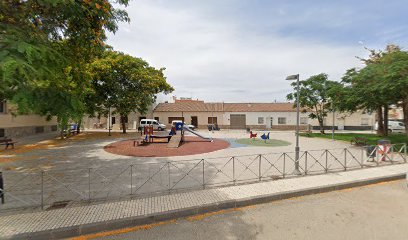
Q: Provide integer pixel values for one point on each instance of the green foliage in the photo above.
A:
(125, 83)
(371, 138)
(382, 82)
(45, 46)
(263, 143)
(314, 96)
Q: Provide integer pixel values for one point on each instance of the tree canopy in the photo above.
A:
(44, 49)
(125, 83)
(383, 81)
(314, 96)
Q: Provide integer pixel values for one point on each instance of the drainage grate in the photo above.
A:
(58, 205)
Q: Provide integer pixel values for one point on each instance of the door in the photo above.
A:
(237, 121)
(194, 121)
(269, 122)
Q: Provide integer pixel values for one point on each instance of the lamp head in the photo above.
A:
(292, 77)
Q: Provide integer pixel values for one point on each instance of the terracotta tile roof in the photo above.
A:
(194, 106)
(259, 107)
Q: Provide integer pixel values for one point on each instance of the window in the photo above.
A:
(282, 120)
(113, 121)
(148, 122)
(157, 119)
(143, 122)
(2, 107)
(364, 122)
(212, 120)
(304, 120)
(260, 120)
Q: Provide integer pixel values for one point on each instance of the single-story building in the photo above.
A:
(22, 125)
(279, 116)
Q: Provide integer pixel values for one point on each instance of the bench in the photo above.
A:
(7, 142)
(359, 141)
(160, 136)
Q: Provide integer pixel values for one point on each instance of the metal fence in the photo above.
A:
(58, 188)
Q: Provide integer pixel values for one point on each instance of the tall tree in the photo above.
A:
(125, 83)
(44, 46)
(376, 86)
(314, 96)
(396, 76)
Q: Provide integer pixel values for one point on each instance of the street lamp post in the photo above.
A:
(297, 149)
(332, 106)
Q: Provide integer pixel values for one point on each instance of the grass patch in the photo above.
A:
(372, 138)
(262, 143)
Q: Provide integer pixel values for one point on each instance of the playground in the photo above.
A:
(190, 146)
(182, 141)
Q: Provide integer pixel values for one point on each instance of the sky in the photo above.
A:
(242, 50)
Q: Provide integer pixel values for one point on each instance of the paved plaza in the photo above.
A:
(65, 222)
(59, 173)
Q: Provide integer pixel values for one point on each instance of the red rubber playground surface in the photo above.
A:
(191, 146)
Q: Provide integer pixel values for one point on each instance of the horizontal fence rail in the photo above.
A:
(60, 188)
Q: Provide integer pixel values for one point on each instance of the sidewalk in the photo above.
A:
(74, 221)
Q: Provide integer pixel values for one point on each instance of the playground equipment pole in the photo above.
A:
(297, 149)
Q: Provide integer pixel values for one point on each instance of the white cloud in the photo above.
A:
(214, 58)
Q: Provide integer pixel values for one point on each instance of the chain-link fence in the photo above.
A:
(59, 188)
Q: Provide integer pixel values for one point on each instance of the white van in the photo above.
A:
(152, 122)
(394, 127)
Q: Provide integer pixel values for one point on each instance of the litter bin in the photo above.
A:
(384, 147)
(371, 153)
(383, 142)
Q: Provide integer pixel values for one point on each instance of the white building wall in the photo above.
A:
(357, 119)
(202, 117)
(252, 117)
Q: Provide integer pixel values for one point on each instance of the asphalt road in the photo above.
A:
(372, 212)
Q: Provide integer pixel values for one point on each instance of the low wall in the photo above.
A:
(15, 132)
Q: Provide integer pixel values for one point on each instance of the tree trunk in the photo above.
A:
(386, 108)
(79, 126)
(321, 126)
(122, 121)
(61, 128)
(380, 128)
(405, 112)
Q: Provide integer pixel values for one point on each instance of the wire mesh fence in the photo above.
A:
(56, 188)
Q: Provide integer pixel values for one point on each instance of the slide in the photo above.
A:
(197, 134)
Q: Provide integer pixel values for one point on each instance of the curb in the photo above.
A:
(181, 213)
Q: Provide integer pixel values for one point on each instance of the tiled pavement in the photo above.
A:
(86, 219)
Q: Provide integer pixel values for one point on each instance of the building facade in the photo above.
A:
(262, 116)
(15, 126)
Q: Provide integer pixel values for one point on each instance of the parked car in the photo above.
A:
(152, 122)
(173, 123)
(393, 126)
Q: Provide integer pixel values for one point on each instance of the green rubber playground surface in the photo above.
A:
(263, 143)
